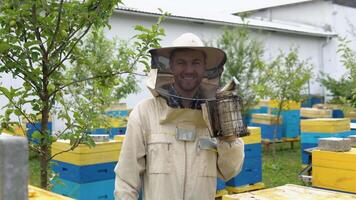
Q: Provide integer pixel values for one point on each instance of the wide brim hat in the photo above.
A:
(161, 74)
(215, 58)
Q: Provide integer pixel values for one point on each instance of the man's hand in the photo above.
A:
(228, 138)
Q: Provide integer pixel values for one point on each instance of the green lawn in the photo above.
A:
(282, 169)
(34, 169)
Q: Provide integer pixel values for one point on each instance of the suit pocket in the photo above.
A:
(208, 163)
(159, 155)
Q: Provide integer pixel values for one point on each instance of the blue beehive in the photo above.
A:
(268, 131)
(87, 173)
(84, 173)
(220, 184)
(251, 171)
(31, 128)
(312, 100)
(99, 190)
(110, 131)
(290, 123)
(271, 127)
(314, 129)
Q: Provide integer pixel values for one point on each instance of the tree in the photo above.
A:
(39, 43)
(284, 79)
(244, 62)
(343, 90)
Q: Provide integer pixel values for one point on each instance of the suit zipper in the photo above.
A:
(185, 169)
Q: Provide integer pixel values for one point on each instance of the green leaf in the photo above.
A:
(4, 47)
(36, 135)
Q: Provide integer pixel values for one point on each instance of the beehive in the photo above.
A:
(334, 170)
(83, 155)
(288, 105)
(261, 118)
(328, 125)
(315, 113)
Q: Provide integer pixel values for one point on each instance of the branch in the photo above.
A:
(91, 78)
(67, 41)
(57, 26)
(35, 148)
(70, 51)
(37, 32)
(25, 78)
(75, 145)
(23, 114)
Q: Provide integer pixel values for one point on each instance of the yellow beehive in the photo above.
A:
(83, 155)
(266, 119)
(325, 125)
(315, 113)
(351, 115)
(18, 130)
(254, 137)
(263, 103)
(35, 193)
(119, 138)
(334, 170)
(327, 106)
(118, 106)
(220, 193)
(288, 105)
(117, 122)
(291, 192)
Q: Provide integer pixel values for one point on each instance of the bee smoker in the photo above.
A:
(224, 113)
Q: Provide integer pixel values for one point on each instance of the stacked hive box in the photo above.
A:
(290, 118)
(251, 172)
(336, 111)
(118, 115)
(261, 107)
(271, 128)
(351, 115)
(220, 188)
(35, 193)
(334, 170)
(312, 100)
(313, 129)
(309, 113)
(264, 106)
(86, 173)
(36, 126)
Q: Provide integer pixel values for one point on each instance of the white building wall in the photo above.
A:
(324, 14)
(315, 13)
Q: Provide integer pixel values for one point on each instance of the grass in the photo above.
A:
(281, 170)
(34, 169)
(284, 167)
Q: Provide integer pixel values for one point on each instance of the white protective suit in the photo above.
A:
(153, 160)
(166, 168)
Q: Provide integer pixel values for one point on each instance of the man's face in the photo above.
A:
(188, 69)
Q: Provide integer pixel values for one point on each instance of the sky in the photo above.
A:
(230, 6)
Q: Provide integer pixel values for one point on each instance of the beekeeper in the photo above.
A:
(168, 152)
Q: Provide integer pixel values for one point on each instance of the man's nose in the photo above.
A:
(189, 68)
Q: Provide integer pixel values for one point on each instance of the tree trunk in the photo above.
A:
(45, 144)
(44, 166)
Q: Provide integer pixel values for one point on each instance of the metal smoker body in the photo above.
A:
(224, 113)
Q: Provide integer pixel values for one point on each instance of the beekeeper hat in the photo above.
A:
(215, 58)
(161, 73)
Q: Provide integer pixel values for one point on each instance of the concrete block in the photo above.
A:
(335, 144)
(13, 168)
(353, 140)
(100, 138)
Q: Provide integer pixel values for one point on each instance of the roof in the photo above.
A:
(232, 20)
(258, 5)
